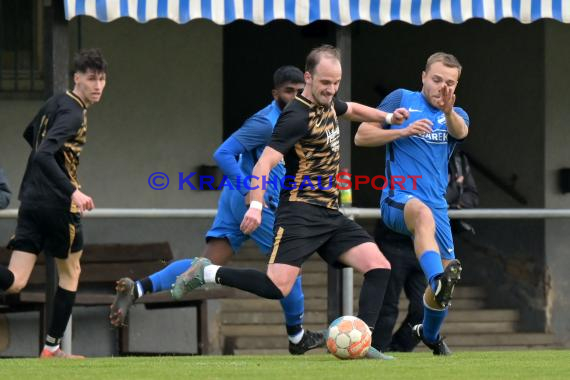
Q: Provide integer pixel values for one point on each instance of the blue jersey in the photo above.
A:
(252, 139)
(424, 156)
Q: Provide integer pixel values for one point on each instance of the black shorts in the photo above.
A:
(55, 232)
(301, 229)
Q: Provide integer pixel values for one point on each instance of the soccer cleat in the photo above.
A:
(438, 348)
(309, 341)
(374, 353)
(446, 283)
(58, 354)
(124, 298)
(191, 279)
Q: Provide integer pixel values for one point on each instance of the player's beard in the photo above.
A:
(281, 103)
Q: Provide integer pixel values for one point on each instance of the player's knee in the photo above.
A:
(284, 288)
(75, 271)
(379, 261)
(375, 260)
(70, 272)
(17, 286)
(283, 284)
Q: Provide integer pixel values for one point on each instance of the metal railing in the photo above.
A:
(362, 213)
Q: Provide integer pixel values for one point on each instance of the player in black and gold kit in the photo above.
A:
(50, 195)
(308, 220)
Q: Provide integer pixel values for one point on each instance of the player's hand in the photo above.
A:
(399, 116)
(418, 127)
(251, 220)
(82, 201)
(447, 100)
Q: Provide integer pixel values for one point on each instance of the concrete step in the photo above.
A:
(276, 330)
(320, 304)
(250, 252)
(485, 342)
(284, 351)
(276, 317)
(311, 266)
(269, 318)
(449, 329)
(316, 286)
(495, 348)
(511, 339)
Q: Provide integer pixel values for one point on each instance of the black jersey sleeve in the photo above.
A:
(340, 107)
(291, 127)
(29, 133)
(65, 126)
(4, 191)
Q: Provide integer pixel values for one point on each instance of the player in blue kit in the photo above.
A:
(224, 237)
(421, 147)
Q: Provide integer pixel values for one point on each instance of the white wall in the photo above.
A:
(161, 111)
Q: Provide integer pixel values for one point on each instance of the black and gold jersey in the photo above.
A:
(308, 136)
(57, 135)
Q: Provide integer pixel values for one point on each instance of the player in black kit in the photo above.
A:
(50, 195)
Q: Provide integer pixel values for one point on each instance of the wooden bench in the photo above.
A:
(101, 266)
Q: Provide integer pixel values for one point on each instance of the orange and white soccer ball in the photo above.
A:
(349, 338)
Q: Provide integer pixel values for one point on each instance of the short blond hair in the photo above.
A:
(317, 53)
(448, 60)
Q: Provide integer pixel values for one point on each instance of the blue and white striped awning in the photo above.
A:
(302, 12)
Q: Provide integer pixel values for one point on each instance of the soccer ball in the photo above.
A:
(349, 338)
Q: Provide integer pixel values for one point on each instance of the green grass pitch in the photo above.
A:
(417, 366)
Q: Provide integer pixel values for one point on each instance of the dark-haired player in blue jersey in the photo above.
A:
(224, 237)
(421, 147)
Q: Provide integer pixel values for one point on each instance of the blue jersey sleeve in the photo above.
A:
(453, 141)
(461, 112)
(254, 133)
(392, 101)
(226, 157)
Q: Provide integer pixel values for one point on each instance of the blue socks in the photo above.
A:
(294, 307)
(430, 261)
(433, 319)
(164, 279)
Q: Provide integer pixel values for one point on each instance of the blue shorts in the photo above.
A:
(231, 209)
(392, 209)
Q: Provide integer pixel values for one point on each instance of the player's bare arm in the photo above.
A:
(252, 218)
(360, 112)
(455, 124)
(372, 134)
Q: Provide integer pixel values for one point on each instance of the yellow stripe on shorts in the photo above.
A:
(71, 237)
(276, 244)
